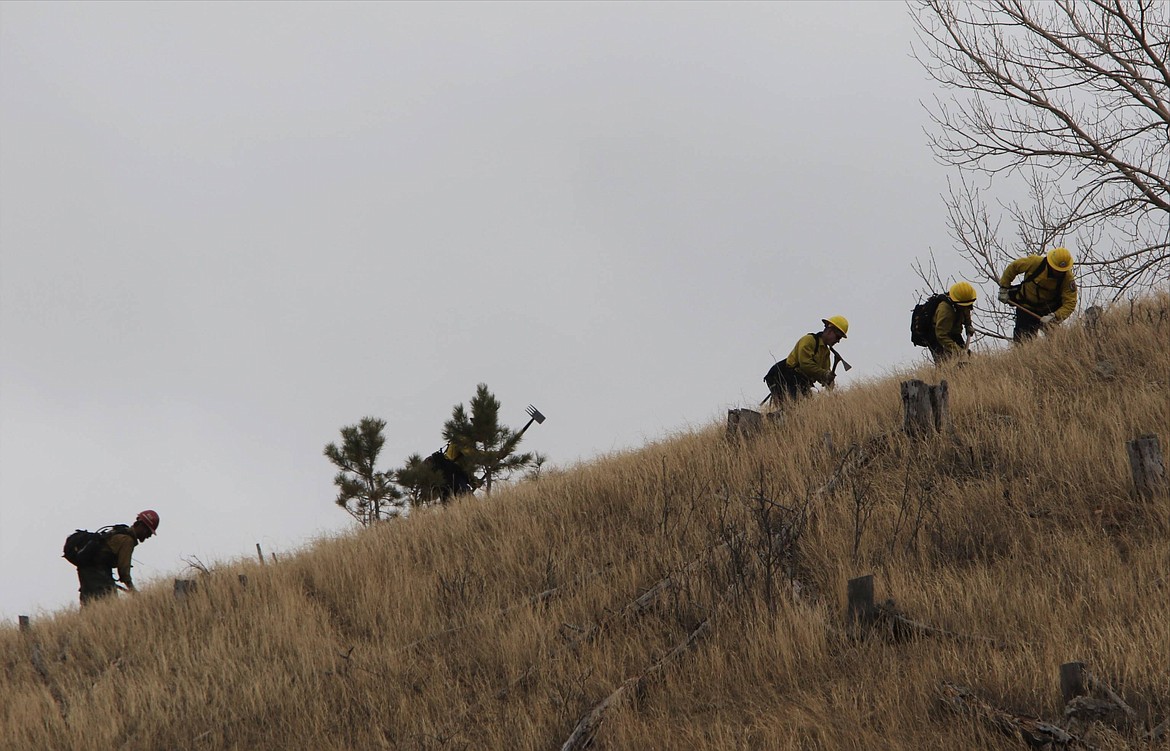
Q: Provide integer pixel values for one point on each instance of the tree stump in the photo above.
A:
(1145, 464)
(184, 588)
(743, 423)
(1072, 681)
(925, 408)
(862, 612)
(940, 402)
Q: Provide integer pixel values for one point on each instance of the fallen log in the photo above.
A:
(902, 627)
(1097, 684)
(586, 729)
(857, 456)
(533, 600)
(1157, 733)
(1033, 731)
(1083, 711)
(584, 634)
(640, 604)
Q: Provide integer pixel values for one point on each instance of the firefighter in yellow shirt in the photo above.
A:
(951, 317)
(456, 480)
(114, 549)
(807, 363)
(1048, 294)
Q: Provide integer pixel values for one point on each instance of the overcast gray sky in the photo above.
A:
(227, 230)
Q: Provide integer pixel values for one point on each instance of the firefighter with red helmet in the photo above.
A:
(113, 550)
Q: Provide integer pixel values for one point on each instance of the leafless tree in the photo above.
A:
(1058, 111)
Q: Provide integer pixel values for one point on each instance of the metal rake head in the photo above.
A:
(535, 414)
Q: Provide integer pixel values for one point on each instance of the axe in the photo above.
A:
(992, 334)
(841, 360)
(1037, 316)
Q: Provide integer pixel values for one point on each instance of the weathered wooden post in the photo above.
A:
(184, 588)
(1145, 464)
(259, 554)
(940, 402)
(243, 580)
(925, 408)
(1092, 317)
(917, 416)
(23, 621)
(1072, 681)
(743, 423)
(861, 612)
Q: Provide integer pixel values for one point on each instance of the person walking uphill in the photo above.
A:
(109, 548)
(1048, 294)
(807, 363)
(951, 317)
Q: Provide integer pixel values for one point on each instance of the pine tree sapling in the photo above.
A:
(365, 493)
(486, 447)
(422, 482)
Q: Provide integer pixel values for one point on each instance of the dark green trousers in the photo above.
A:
(96, 582)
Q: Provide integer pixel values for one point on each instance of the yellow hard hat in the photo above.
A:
(1060, 259)
(963, 293)
(837, 322)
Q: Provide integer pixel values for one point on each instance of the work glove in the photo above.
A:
(1050, 319)
(1005, 295)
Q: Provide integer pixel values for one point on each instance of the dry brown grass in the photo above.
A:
(428, 633)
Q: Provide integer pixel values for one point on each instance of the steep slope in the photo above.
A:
(502, 622)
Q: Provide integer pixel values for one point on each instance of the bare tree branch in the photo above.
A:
(1064, 108)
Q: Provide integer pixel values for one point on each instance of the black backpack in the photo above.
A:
(455, 479)
(82, 548)
(922, 320)
(773, 379)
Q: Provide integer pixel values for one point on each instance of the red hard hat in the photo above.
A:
(149, 518)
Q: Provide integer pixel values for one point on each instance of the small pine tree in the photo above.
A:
(486, 446)
(537, 466)
(422, 482)
(366, 493)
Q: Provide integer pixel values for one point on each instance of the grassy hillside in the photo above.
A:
(499, 623)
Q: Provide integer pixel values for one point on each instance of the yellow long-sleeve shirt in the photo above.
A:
(1049, 292)
(122, 546)
(949, 321)
(810, 358)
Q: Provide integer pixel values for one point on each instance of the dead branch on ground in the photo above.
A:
(583, 734)
(1033, 731)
